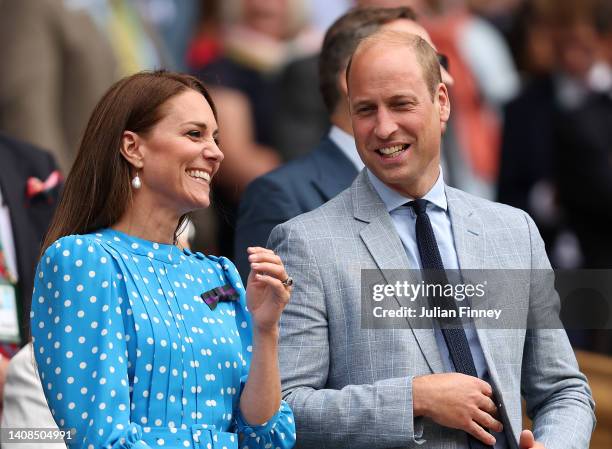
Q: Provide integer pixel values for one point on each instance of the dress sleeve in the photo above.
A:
(80, 344)
(279, 431)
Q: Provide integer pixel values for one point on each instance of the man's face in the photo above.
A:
(396, 123)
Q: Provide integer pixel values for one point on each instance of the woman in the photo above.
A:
(138, 343)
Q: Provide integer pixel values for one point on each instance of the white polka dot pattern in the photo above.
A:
(129, 354)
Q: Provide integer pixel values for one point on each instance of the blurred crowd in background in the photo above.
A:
(532, 96)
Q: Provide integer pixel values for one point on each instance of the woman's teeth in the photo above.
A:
(199, 174)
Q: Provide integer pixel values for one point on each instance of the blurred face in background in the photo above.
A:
(417, 5)
(180, 155)
(267, 16)
(576, 48)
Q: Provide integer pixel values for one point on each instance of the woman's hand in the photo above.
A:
(267, 296)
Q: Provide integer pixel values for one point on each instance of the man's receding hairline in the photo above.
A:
(404, 40)
(394, 39)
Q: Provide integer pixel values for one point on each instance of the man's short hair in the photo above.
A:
(426, 56)
(342, 38)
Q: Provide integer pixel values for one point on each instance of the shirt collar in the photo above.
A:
(394, 200)
(346, 143)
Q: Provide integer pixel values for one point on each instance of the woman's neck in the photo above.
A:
(148, 222)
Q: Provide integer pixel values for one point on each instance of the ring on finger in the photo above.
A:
(287, 282)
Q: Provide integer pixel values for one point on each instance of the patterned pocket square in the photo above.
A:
(225, 293)
(35, 186)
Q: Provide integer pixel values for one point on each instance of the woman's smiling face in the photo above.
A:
(181, 154)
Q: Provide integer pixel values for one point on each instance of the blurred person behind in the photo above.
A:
(175, 22)
(583, 163)
(25, 405)
(306, 183)
(30, 185)
(583, 166)
(499, 13)
(55, 65)
(258, 38)
(558, 54)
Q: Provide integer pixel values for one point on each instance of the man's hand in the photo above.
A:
(458, 401)
(527, 441)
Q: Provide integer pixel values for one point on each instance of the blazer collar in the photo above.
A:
(468, 230)
(334, 171)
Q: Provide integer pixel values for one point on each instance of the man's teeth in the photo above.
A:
(199, 174)
(392, 150)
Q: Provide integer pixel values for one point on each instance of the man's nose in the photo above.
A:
(385, 124)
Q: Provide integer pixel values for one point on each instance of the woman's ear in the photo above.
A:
(132, 149)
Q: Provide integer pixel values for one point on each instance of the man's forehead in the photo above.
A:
(379, 68)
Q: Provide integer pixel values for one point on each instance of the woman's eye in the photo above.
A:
(196, 134)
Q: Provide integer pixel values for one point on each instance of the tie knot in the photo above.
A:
(419, 206)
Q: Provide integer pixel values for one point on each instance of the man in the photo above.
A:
(305, 184)
(29, 188)
(362, 388)
(583, 182)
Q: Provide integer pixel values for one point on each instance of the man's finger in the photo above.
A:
(486, 388)
(487, 421)
(488, 406)
(479, 433)
(527, 440)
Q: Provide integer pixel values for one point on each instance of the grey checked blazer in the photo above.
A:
(352, 388)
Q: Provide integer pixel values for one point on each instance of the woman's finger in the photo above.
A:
(258, 249)
(283, 292)
(265, 257)
(272, 269)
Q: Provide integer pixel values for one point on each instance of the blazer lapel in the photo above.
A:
(468, 231)
(385, 247)
(13, 194)
(470, 243)
(335, 172)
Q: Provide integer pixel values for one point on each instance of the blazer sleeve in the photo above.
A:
(80, 345)
(372, 416)
(558, 397)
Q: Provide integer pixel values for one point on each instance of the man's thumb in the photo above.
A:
(527, 440)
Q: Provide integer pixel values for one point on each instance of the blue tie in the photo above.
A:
(431, 262)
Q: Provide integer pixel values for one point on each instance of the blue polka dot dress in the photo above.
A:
(130, 355)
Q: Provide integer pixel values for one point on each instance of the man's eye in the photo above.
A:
(364, 110)
(403, 105)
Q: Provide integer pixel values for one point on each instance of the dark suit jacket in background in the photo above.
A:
(293, 189)
(29, 217)
(528, 149)
(301, 117)
(584, 177)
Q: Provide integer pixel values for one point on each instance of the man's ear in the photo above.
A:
(132, 149)
(442, 101)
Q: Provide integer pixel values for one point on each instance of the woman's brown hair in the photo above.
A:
(97, 189)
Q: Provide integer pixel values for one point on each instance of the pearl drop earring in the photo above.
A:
(136, 182)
